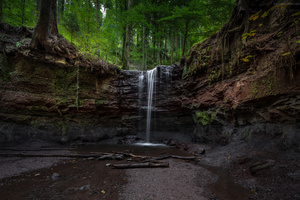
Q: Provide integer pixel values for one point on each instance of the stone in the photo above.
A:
(85, 187)
(55, 176)
(200, 151)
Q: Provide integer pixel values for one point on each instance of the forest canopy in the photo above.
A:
(134, 34)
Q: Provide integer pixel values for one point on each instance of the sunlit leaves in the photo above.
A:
(250, 34)
(255, 16)
(285, 54)
(246, 59)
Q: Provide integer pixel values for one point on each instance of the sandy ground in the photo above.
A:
(221, 173)
(179, 181)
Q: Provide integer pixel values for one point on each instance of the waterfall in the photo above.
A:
(147, 85)
(151, 76)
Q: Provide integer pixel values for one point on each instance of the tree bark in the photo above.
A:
(98, 24)
(45, 26)
(185, 37)
(38, 7)
(127, 42)
(172, 47)
(23, 12)
(53, 19)
(144, 54)
(1, 12)
(58, 11)
(62, 7)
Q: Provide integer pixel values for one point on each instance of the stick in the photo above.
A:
(141, 165)
(184, 157)
(49, 155)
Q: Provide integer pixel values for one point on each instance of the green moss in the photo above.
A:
(204, 117)
(255, 90)
(271, 85)
(99, 102)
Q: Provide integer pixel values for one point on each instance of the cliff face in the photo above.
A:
(44, 95)
(247, 75)
(241, 82)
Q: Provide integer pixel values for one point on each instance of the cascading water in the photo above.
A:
(147, 82)
(151, 76)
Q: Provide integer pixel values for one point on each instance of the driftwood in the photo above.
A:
(49, 155)
(41, 149)
(162, 157)
(184, 157)
(141, 165)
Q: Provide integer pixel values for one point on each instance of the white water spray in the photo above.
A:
(151, 78)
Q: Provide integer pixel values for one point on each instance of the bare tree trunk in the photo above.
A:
(23, 12)
(172, 47)
(38, 7)
(127, 41)
(144, 56)
(58, 11)
(98, 24)
(1, 12)
(44, 27)
(53, 30)
(62, 7)
(185, 37)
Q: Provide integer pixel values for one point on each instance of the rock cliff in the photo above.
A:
(241, 82)
(245, 78)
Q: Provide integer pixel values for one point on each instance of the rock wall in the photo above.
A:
(242, 82)
(45, 97)
(246, 77)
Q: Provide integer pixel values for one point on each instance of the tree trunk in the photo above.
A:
(58, 11)
(23, 12)
(1, 12)
(53, 19)
(127, 42)
(44, 27)
(172, 47)
(185, 37)
(62, 7)
(38, 7)
(144, 56)
(98, 24)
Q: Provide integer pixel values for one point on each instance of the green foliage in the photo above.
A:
(270, 83)
(160, 30)
(213, 76)
(204, 117)
(71, 23)
(18, 44)
(246, 59)
(255, 90)
(250, 34)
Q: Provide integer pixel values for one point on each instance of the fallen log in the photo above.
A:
(162, 157)
(50, 155)
(141, 165)
(184, 157)
(41, 149)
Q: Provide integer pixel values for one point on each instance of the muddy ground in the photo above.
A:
(222, 172)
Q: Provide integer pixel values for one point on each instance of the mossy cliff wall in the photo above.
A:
(247, 75)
